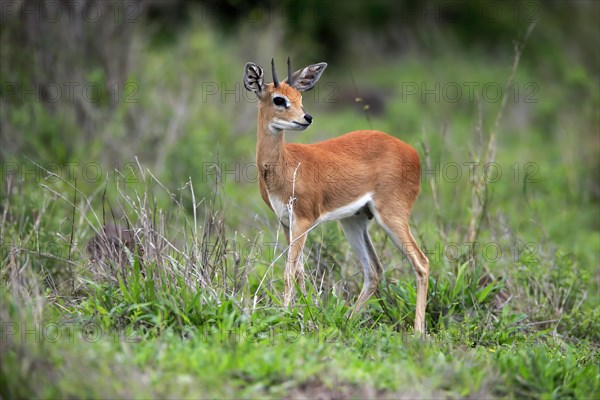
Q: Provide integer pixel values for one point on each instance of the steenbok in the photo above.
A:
(353, 178)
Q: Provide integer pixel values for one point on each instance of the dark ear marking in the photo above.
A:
(253, 78)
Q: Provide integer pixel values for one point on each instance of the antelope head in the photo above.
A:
(280, 103)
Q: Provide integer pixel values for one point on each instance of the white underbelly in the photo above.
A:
(348, 210)
(282, 209)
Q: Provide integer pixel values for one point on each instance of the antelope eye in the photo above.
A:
(279, 101)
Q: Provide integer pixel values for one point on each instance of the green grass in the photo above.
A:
(162, 325)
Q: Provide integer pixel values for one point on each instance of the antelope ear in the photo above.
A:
(253, 78)
(306, 78)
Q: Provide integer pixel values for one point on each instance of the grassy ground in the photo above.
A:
(192, 308)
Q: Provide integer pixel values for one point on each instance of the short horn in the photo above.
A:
(289, 79)
(275, 80)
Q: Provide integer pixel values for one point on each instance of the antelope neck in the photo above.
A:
(270, 147)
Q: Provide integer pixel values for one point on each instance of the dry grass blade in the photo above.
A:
(479, 193)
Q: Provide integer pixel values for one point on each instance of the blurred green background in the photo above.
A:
(161, 80)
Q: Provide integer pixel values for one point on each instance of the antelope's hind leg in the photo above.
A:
(399, 231)
(357, 232)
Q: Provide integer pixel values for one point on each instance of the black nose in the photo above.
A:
(308, 117)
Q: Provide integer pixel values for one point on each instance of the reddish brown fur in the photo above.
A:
(332, 174)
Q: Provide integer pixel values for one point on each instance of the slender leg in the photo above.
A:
(294, 266)
(356, 231)
(399, 232)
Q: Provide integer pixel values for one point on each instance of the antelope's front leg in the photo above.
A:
(294, 266)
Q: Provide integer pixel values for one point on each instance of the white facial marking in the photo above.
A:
(348, 210)
(277, 125)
